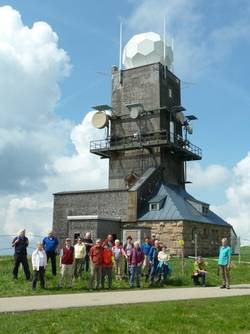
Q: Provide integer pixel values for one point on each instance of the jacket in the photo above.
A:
(136, 257)
(35, 259)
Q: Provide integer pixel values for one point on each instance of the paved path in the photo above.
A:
(17, 304)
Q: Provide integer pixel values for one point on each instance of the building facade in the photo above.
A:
(148, 148)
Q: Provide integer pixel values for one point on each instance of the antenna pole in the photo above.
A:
(120, 53)
(164, 44)
(173, 52)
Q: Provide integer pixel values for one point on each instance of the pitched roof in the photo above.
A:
(176, 207)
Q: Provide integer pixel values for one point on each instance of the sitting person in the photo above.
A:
(199, 271)
(163, 264)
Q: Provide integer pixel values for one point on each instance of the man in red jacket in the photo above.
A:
(107, 264)
(96, 259)
(66, 263)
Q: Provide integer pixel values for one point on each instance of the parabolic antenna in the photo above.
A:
(100, 120)
(180, 117)
(134, 113)
(190, 129)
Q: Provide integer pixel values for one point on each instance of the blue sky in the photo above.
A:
(211, 52)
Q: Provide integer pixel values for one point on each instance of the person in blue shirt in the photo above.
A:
(224, 263)
(146, 249)
(153, 261)
(50, 244)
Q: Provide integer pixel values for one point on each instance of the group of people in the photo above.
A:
(130, 261)
(224, 265)
(104, 258)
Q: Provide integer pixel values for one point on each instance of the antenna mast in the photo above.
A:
(164, 44)
(120, 53)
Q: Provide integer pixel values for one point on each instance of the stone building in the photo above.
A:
(148, 148)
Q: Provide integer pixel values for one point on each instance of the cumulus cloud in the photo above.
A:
(236, 209)
(196, 45)
(208, 177)
(31, 66)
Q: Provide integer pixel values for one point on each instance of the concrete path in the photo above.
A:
(18, 304)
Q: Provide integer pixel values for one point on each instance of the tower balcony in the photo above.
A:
(175, 144)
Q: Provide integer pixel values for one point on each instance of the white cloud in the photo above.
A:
(31, 65)
(208, 177)
(196, 45)
(236, 209)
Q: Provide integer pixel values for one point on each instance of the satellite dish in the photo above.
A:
(100, 120)
(190, 129)
(134, 113)
(180, 117)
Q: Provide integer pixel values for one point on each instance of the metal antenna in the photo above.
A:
(173, 52)
(164, 45)
(120, 53)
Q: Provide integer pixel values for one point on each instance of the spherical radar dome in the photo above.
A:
(146, 48)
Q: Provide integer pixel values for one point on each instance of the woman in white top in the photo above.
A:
(39, 262)
(163, 265)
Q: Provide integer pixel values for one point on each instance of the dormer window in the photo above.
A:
(157, 202)
(205, 209)
(201, 207)
(154, 207)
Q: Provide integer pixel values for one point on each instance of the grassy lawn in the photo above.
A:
(8, 287)
(222, 315)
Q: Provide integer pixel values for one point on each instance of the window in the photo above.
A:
(154, 207)
(204, 210)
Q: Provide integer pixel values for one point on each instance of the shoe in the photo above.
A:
(223, 287)
(228, 287)
(203, 285)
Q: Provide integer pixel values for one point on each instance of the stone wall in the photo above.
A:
(208, 238)
(99, 228)
(170, 232)
(103, 203)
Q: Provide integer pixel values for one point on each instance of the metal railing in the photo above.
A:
(149, 139)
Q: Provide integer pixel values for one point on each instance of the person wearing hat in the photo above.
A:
(20, 244)
(80, 253)
(66, 263)
(96, 260)
(199, 271)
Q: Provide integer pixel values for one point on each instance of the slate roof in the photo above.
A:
(176, 207)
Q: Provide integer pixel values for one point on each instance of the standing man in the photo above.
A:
(80, 253)
(153, 261)
(146, 249)
(88, 242)
(96, 258)
(109, 241)
(66, 263)
(20, 243)
(225, 263)
(50, 244)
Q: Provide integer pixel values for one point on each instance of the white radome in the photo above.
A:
(146, 48)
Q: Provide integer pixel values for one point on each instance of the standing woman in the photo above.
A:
(224, 263)
(20, 244)
(39, 262)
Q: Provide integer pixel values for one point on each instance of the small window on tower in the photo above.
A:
(170, 92)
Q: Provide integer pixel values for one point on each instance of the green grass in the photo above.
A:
(210, 316)
(8, 287)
